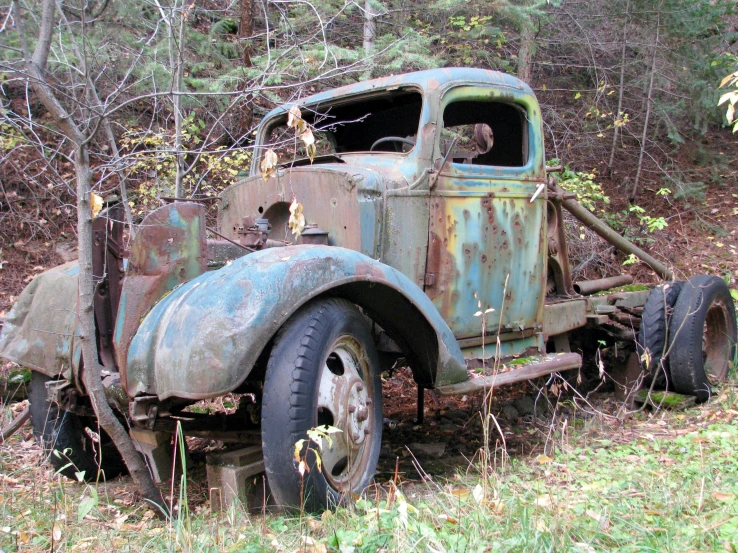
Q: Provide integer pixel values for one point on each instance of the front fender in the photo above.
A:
(203, 339)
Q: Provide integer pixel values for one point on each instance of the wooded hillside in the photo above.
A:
(168, 93)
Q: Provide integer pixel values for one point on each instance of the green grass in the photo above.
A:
(665, 482)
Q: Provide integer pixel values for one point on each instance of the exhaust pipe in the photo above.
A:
(587, 287)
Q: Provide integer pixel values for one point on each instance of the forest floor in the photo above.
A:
(582, 475)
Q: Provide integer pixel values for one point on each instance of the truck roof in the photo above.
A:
(428, 79)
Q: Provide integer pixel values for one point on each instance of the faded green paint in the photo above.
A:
(503, 349)
(561, 317)
(169, 249)
(203, 339)
(488, 233)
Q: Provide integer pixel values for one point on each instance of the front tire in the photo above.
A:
(323, 370)
(64, 437)
(703, 336)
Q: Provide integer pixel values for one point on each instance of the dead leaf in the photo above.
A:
(297, 219)
(268, 164)
(309, 140)
(294, 116)
(96, 204)
(722, 496)
(314, 524)
(544, 459)
(56, 533)
(118, 522)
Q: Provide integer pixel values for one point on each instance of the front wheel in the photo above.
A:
(323, 371)
(703, 336)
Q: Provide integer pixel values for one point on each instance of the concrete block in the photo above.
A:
(156, 447)
(237, 475)
(627, 378)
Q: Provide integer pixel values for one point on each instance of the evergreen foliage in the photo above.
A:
(577, 53)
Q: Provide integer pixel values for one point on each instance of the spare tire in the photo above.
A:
(654, 331)
(67, 438)
(703, 336)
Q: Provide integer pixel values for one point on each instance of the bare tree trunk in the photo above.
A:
(35, 68)
(649, 102)
(176, 47)
(525, 53)
(177, 78)
(621, 90)
(370, 31)
(527, 46)
(370, 28)
(92, 371)
(246, 29)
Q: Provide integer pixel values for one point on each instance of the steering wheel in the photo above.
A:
(409, 141)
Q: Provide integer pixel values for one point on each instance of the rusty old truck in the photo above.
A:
(433, 237)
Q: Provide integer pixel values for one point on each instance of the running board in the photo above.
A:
(547, 364)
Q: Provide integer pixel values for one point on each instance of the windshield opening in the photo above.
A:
(383, 123)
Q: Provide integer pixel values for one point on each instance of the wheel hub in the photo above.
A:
(345, 402)
(357, 407)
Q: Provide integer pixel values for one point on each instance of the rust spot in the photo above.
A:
(484, 258)
(367, 269)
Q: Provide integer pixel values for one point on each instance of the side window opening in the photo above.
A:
(486, 133)
(362, 125)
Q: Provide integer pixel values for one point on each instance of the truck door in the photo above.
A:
(486, 237)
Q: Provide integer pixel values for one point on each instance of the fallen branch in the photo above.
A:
(15, 425)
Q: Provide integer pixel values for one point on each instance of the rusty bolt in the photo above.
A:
(351, 408)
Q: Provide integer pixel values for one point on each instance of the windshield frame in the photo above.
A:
(280, 117)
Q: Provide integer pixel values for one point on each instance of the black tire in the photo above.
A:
(653, 334)
(703, 336)
(67, 445)
(326, 346)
